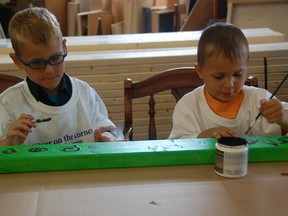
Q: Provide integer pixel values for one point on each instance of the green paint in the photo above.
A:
(130, 154)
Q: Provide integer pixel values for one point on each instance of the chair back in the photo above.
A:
(7, 81)
(179, 80)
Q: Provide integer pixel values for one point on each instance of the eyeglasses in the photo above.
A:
(41, 63)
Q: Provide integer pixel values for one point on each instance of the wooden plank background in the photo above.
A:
(105, 70)
(148, 40)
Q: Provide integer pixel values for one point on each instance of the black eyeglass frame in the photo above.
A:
(48, 61)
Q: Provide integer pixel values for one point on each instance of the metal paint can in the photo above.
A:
(231, 157)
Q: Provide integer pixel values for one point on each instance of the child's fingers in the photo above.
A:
(223, 132)
(99, 137)
(272, 110)
(267, 105)
(19, 129)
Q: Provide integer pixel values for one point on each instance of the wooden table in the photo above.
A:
(153, 179)
(159, 191)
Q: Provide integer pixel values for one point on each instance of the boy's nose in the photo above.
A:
(49, 68)
(229, 83)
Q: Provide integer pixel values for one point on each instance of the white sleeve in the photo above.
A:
(4, 122)
(185, 123)
(100, 117)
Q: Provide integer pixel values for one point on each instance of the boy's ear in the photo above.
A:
(198, 70)
(15, 60)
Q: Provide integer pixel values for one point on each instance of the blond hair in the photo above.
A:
(222, 38)
(33, 25)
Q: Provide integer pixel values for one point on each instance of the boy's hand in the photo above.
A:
(217, 132)
(100, 137)
(272, 110)
(19, 130)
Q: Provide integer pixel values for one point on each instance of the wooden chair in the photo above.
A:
(8, 80)
(179, 80)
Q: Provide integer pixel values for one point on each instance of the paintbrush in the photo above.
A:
(259, 114)
(42, 120)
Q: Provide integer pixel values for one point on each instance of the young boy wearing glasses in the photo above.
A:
(73, 111)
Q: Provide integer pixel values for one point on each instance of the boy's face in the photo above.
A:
(48, 77)
(223, 78)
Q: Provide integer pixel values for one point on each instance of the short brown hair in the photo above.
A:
(33, 25)
(222, 38)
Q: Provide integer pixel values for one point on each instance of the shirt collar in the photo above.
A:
(65, 88)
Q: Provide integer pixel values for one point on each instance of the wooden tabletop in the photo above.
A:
(155, 180)
(168, 190)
